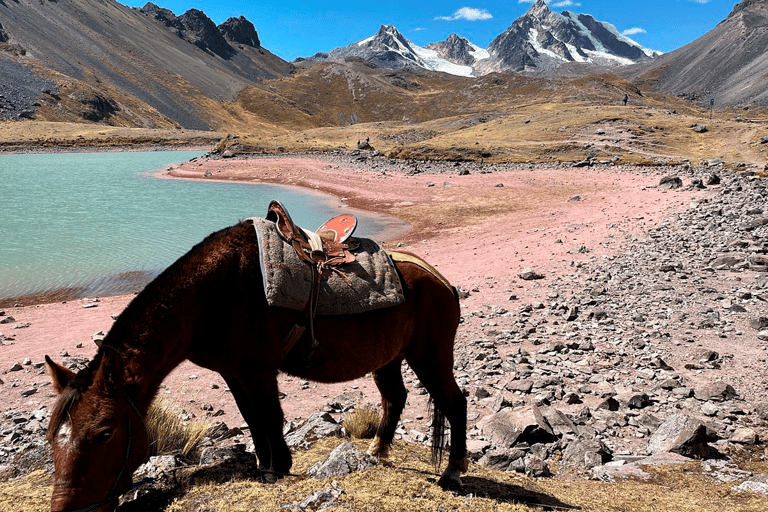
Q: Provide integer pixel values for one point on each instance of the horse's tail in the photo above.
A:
(438, 433)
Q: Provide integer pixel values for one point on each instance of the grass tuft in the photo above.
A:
(169, 434)
(362, 423)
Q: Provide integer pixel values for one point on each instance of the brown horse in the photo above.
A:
(209, 307)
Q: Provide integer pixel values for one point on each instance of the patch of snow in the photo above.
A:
(478, 53)
(608, 56)
(583, 30)
(534, 41)
(610, 28)
(575, 53)
(434, 62)
(365, 42)
(622, 37)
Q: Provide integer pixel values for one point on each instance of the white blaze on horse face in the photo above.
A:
(64, 435)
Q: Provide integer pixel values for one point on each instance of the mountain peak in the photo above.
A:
(390, 38)
(542, 39)
(458, 50)
(240, 30)
(539, 9)
(388, 48)
(388, 29)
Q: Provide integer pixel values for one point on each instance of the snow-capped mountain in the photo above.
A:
(459, 50)
(540, 39)
(543, 39)
(390, 49)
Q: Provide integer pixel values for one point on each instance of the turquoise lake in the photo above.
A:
(104, 223)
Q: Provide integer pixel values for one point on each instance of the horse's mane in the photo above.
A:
(83, 380)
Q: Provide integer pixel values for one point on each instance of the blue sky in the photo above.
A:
(300, 28)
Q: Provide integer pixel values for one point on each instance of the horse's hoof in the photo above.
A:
(379, 448)
(270, 477)
(450, 483)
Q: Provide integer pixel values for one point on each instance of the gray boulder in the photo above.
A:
(511, 426)
(682, 434)
(588, 453)
(670, 182)
(343, 460)
(716, 392)
(504, 459)
(317, 426)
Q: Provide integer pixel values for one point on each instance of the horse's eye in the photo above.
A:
(103, 437)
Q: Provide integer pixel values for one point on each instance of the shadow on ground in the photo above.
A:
(507, 493)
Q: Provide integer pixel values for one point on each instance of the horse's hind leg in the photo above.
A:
(436, 373)
(389, 380)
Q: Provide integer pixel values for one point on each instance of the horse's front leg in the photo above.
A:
(259, 403)
(244, 404)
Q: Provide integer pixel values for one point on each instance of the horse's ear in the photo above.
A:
(59, 374)
(110, 374)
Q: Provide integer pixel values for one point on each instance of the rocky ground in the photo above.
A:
(20, 89)
(648, 342)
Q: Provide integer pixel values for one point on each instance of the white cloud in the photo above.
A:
(632, 31)
(469, 14)
(566, 3)
(557, 5)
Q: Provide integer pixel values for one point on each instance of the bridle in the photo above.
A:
(112, 496)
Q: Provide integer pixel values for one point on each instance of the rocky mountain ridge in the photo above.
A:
(156, 69)
(543, 39)
(197, 28)
(728, 64)
(540, 39)
(388, 48)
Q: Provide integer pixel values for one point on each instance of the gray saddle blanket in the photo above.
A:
(370, 282)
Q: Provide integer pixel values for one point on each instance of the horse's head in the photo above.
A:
(97, 435)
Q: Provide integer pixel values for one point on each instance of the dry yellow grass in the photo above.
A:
(42, 134)
(406, 482)
(31, 493)
(169, 434)
(362, 423)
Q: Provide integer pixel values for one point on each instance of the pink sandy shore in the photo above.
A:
(536, 223)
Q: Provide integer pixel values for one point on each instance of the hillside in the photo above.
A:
(498, 117)
(122, 66)
(728, 64)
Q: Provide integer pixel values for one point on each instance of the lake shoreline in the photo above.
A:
(115, 282)
(411, 197)
(122, 148)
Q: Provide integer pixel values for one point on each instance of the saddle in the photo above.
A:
(329, 246)
(325, 247)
